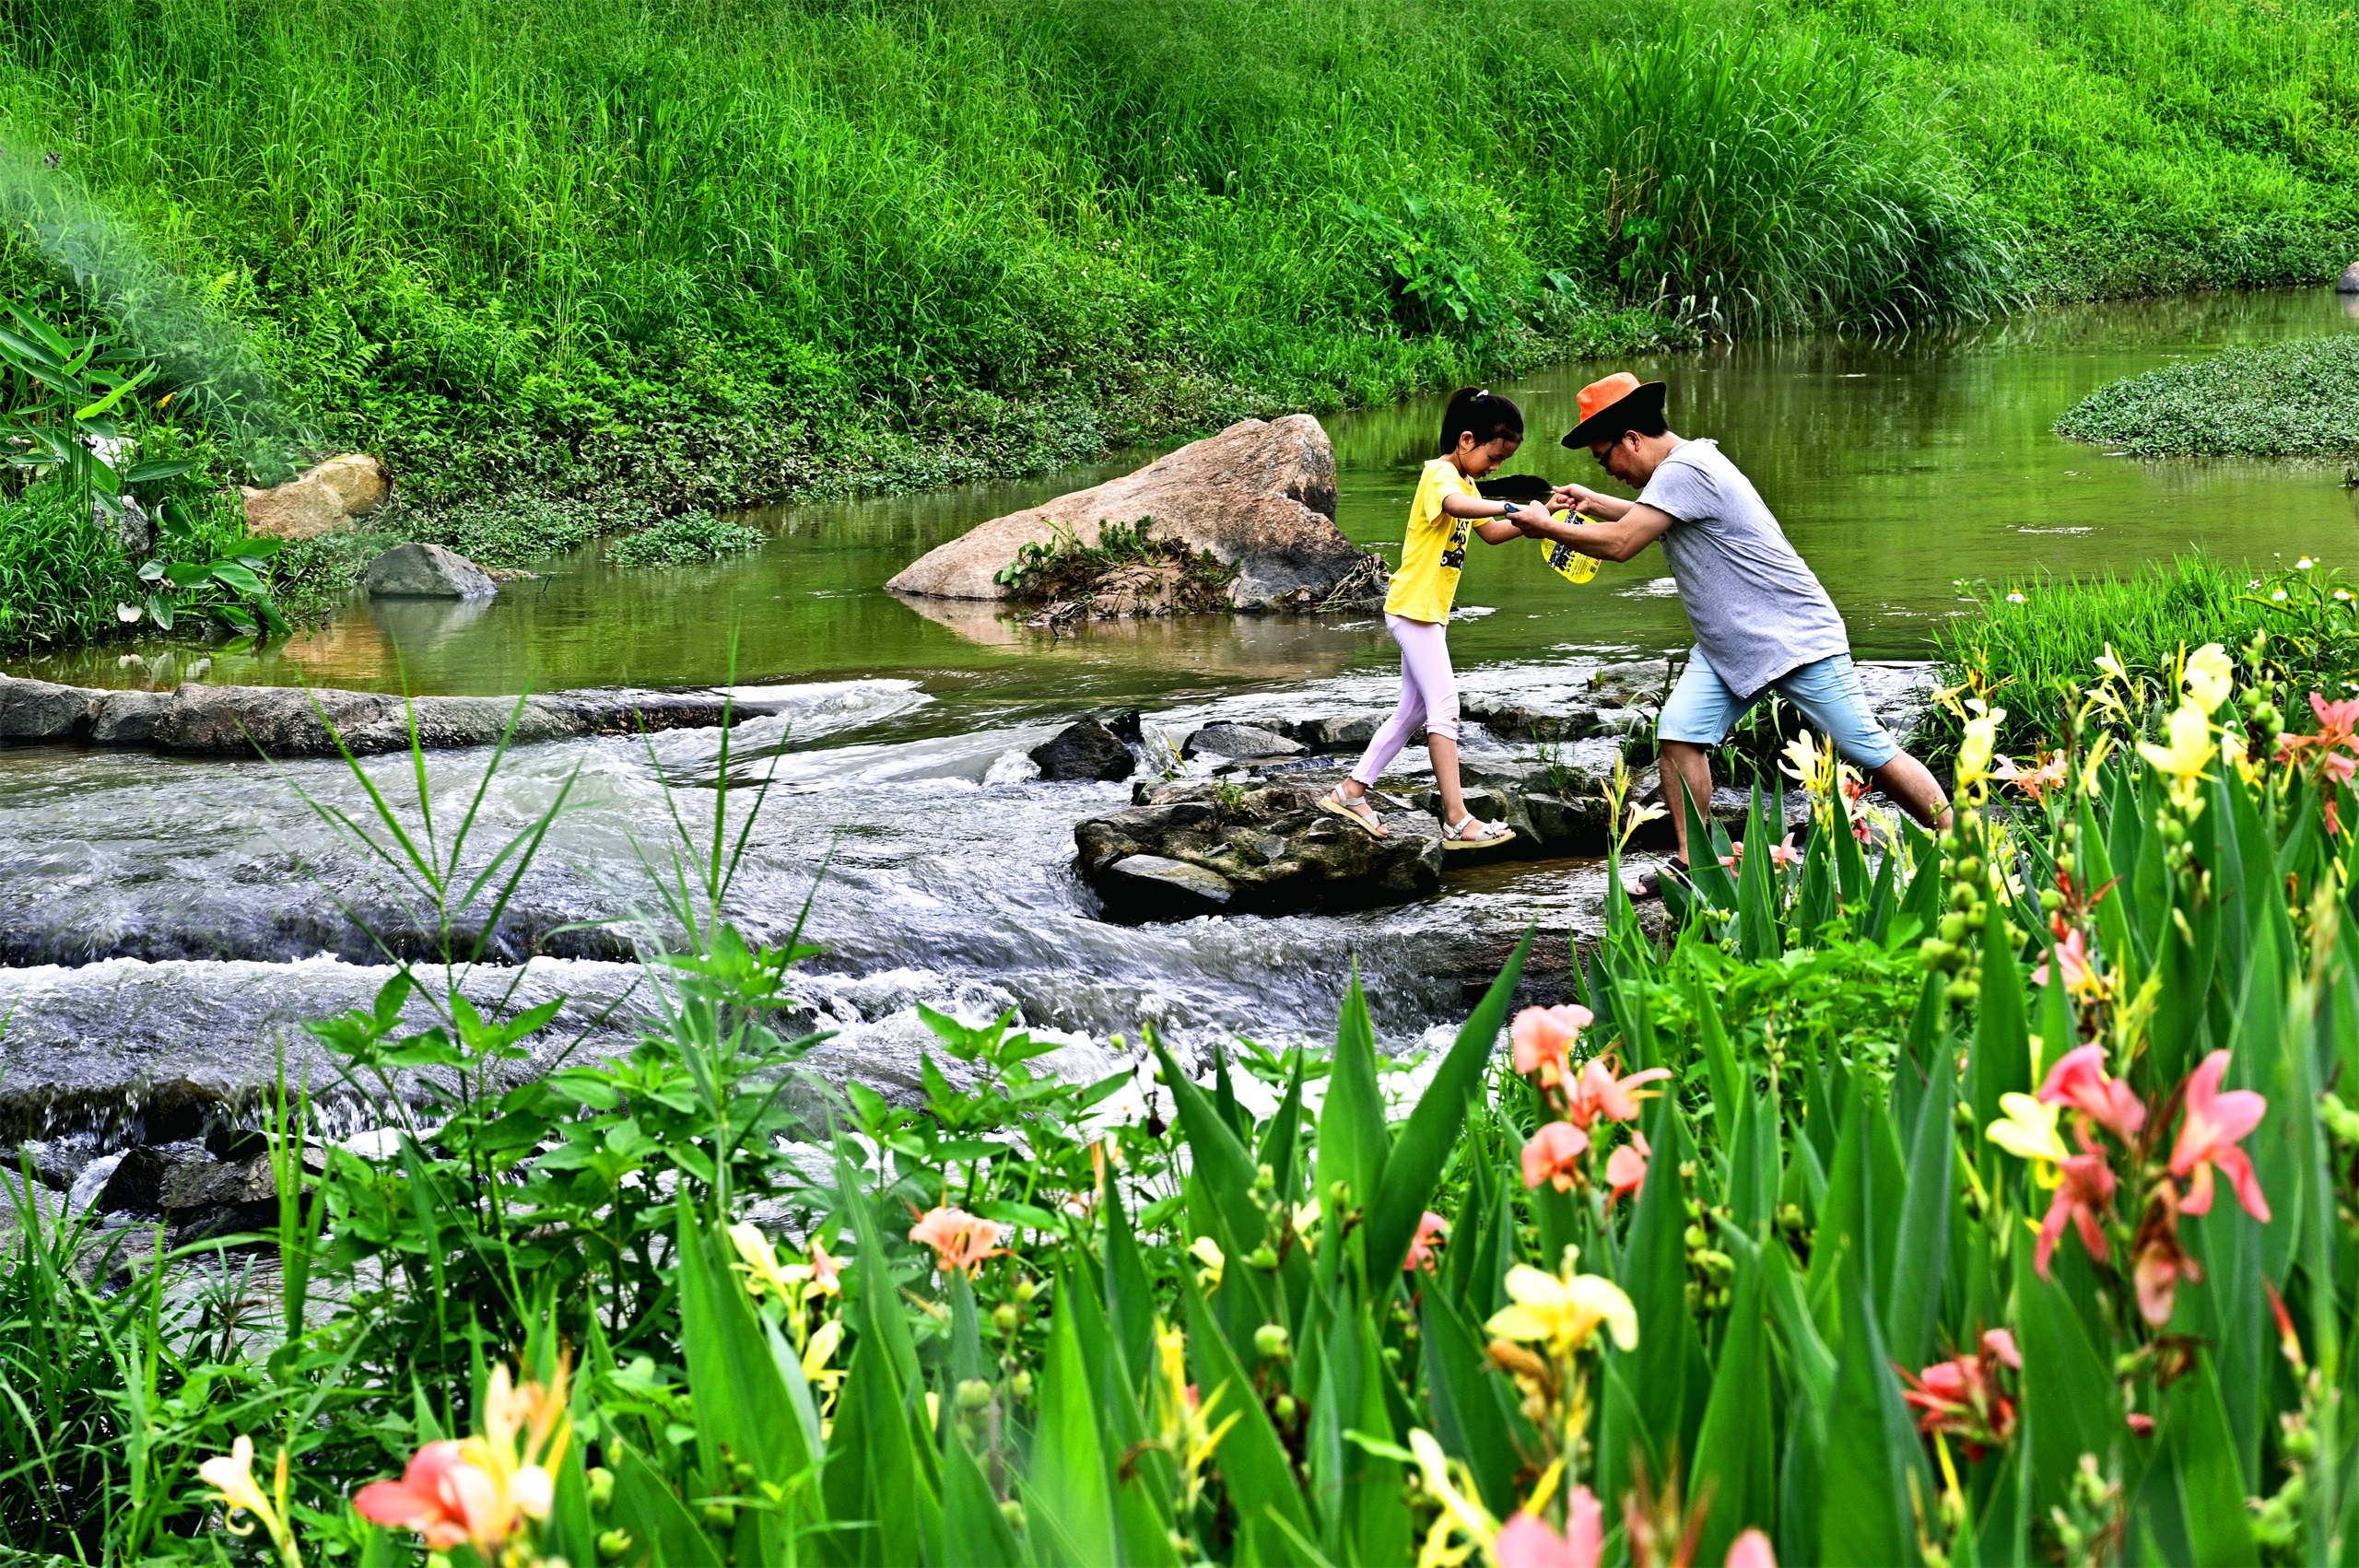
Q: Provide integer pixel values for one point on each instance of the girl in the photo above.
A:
(1480, 432)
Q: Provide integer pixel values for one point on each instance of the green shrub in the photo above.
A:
(2298, 399)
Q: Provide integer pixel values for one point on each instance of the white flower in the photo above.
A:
(2208, 677)
(2305, 564)
(2017, 598)
(2278, 597)
(128, 613)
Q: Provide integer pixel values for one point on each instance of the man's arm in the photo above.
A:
(1589, 502)
(1612, 539)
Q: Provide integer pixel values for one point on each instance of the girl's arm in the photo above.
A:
(1499, 521)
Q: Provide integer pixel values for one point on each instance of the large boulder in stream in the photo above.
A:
(1196, 848)
(1260, 496)
(426, 571)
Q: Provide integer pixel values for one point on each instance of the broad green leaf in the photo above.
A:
(1222, 1167)
(1736, 1452)
(1353, 1143)
(2001, 1062)
(1865, 1516)
(974, 1530)
(1068, 1497)
(2070, 1407)
(2211, 1485)
(662, 1530)
(1252, 1459)
(1416, 1160)
(1473, 1404)
(1922, 1245)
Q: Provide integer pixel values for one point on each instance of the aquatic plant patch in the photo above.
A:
(2297, 399)
(684, 540)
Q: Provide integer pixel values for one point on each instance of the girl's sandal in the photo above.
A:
(1359, 813)
(1452, 838)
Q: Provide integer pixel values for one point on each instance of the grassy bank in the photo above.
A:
(2279, 400)
(569, 267)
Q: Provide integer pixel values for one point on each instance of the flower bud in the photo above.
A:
(973, 1394)
(613, 1545)
(1004, 1317)
(601, 1488)
(1012, 1511)
(720, 1515)
(1270, 1341)
(1285, 1410)
(1025, 1290)
(1019, 1382)
(1264, 1179)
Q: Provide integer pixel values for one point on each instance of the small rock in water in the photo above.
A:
(1087, 750)
(1238, 739)
(426, 571)
(2349, 282)
(1152, 887)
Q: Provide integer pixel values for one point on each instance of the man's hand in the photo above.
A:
(1572, 497)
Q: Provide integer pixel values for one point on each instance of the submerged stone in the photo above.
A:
(426, 571)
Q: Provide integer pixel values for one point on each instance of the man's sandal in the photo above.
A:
(1650, 881)
(1451, 839)
(1358, 811)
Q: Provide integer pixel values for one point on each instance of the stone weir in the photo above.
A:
(289, 722)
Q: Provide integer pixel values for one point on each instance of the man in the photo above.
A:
(1762, 622)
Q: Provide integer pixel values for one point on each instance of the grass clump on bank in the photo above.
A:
(684, 539)
(1127, 562)
(2032, 647)
(2298, 399)
(1789, 1194)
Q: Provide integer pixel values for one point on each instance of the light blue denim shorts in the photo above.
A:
(1701, 709)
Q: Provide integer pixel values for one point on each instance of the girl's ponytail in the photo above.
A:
(1481, 412)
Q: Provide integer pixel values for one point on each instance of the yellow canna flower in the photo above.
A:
(1206, 1251)
(1461, 1514)
(2027, 1131)
(2188, 757)
(2109, 665)
(2097, 753)
(232, 1476)
(820, 1351)
(1981, 739)
(1563, 1312)
(2208, 677)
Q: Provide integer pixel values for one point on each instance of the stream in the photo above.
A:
(169, 921)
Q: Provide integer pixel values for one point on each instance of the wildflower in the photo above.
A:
(2159, 1262)
(1184, 1423)
(2017, 598)
(2208, 677)
(1554, 1154)
(232, 1476)
(2305, 564)
(1980, 739)
(2048, 775)
(1597, 1093)
(2207, 1137)
(1809, 765)
(2188, 758)
(1962, 1397)
(764, 1275)
(2079, 1080)
(1431, 1229)
(2342, 594)
(2083, 1193)
(959, 1240)
(2080, 976)
(825, 1340)
(1206, 1251)
(1563, 1312)
(2027, 1131)
(1528, 1542)
(2140, 1424)
(1544, 1036)
(2278, 597)
(1626, 1169)
(1780, 854)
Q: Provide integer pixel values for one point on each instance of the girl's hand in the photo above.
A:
(1571, 497)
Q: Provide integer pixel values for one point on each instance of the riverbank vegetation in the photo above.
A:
(2298, 399)
(710, 250)
(1985, 1198)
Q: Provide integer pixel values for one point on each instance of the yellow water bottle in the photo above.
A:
(1565, 561)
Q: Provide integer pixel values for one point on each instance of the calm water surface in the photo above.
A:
(1898, 466)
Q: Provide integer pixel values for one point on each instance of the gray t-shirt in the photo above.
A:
(1757, 610)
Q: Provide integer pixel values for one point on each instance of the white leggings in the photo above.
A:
(1429, 694)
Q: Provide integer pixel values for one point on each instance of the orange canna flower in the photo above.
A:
(2207, 1137)
(1430, 1229)
(1625, 1168)
(1597, 1093)
(826, 1270)
(443, 1497)
(1544, 1037)
(960, 1240)
(1554, 1154)
(479, 1491)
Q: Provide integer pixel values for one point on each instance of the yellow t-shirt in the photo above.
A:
(1435, 550)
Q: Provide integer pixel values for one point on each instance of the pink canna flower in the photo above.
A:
(960, 1240)
(443, 1497)
(1751, 1549)
(1430, 1229)
(1528, 1542)
(1597, 1093)
(2079, 1080)
(1555, 1155)
(2081, 976)
(2082, 1196)
(1962, 1396)
(2338, 721)
(1544, 1037)
(2140, 1424)
(1784, 853)
(826, 1270)
(1625, 1168)
(2207, 1137)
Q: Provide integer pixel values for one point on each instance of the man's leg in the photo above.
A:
(1686, 770)
(1829, 694)
(1696, 717)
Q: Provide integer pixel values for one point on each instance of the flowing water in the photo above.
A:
(1899, 465)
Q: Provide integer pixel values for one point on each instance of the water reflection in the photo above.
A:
(1899, 464)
